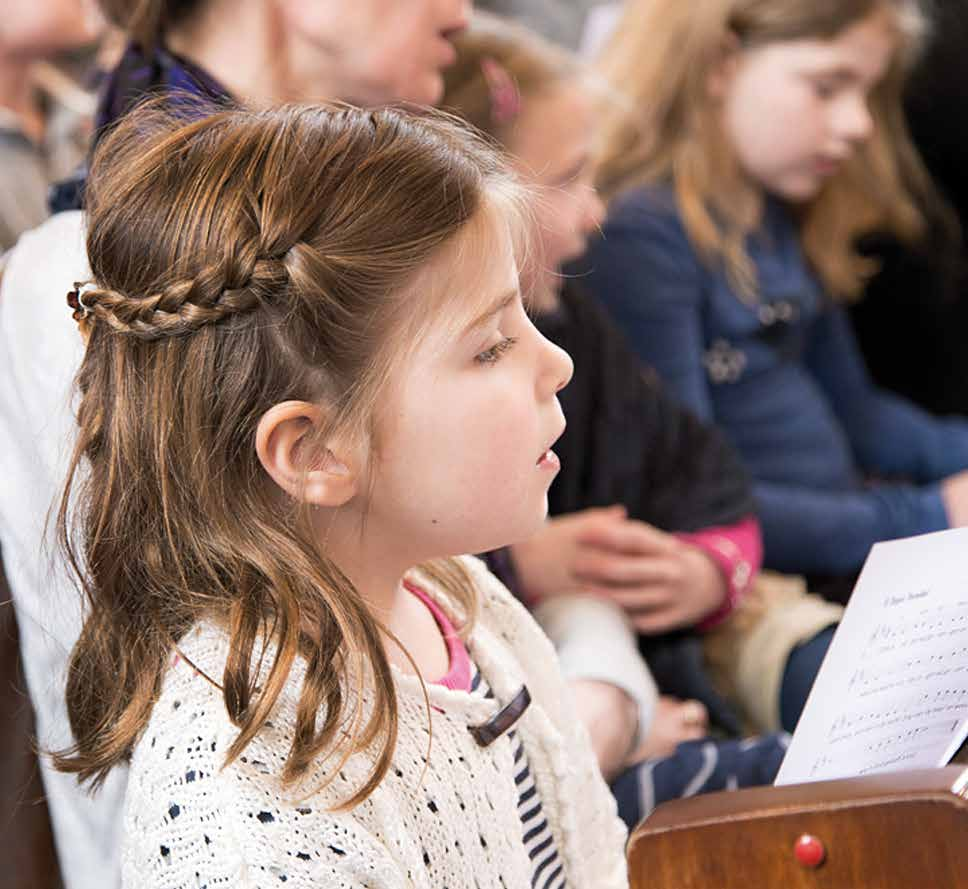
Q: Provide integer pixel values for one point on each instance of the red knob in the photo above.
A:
(809, 851)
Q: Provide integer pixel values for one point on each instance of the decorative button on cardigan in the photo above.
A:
(450, 822)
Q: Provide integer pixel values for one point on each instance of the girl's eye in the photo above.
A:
(493, 355)
(824, 89)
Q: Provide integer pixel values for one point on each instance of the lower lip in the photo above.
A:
(549, 460)
(827, 168)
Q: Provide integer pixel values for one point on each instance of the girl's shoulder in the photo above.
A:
(655, 203)
(189, 730)
(188, 812)
(642, 223)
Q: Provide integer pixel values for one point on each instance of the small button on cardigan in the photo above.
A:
(451, 821)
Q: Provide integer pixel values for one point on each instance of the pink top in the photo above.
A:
(738, 551)
(458, 676)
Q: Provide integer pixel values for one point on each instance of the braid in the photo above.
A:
(233, 287)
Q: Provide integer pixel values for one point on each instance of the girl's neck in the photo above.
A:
(369, 558)
(243, 45)
(18, 95)
(376, 562)
(747, 198)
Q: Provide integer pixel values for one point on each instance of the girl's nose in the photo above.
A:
(854, 121)
(559, 367)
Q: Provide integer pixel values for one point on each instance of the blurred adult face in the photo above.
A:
(35, 28)
(381, 50)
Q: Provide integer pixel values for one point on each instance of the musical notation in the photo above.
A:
(893, 691)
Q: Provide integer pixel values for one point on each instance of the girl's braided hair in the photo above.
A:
(239, 261)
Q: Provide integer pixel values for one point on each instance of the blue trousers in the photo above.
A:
(709, 764)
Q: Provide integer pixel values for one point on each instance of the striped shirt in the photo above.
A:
(547, 871)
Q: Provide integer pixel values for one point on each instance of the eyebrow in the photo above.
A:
(495, 309)
(839, 72)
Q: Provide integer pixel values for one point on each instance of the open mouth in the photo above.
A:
(549, 459)
(827, 166)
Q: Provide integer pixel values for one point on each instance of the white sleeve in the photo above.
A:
(594, 640)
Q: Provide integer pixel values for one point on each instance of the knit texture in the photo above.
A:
(450, 822)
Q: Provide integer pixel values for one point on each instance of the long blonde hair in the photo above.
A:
(664, 130)
(239, 261)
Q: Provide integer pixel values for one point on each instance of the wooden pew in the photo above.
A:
(29, 860)
(907, 830)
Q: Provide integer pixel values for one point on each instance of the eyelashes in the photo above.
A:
(493, 355)
(824, 89)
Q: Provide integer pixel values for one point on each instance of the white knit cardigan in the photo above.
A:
(451, 823)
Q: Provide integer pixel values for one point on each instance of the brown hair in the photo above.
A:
(660, 59)
(145, 21)
(533, 65)
(243, 260)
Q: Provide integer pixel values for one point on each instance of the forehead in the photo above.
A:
(863, 49)
(555, 126)
(470, 272)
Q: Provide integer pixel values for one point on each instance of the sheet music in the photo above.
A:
(892, 693)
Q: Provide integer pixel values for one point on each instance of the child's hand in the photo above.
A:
(662, 583)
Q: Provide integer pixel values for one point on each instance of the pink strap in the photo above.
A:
(738, 551)
(458, 676)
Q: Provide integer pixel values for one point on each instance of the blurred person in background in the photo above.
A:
(45, 114)
(728, 254)
(563, 21)
(256, 52)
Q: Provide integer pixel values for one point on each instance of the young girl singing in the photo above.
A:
(256, 52)
(756, 142)
(309, 383)
(652, 536)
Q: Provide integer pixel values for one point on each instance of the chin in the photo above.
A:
(425, 90)
(516, 532)
(529, 529)
(799, 192)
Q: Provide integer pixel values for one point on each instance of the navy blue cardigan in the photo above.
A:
(783, 378)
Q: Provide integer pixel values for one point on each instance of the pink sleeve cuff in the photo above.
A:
(738, 551)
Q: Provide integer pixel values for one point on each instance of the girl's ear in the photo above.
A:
(723, 67)
(286, 443)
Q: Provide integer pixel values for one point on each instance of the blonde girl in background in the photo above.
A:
(309, 384)
(652, 535)
(756, 142)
